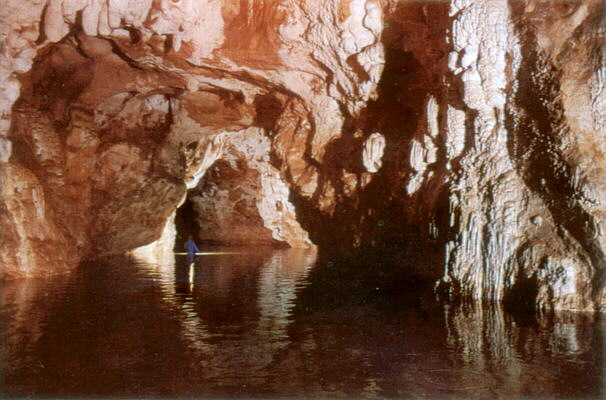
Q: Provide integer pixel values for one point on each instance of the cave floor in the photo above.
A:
(254, 324)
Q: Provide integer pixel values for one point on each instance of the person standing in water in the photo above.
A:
(191, 248)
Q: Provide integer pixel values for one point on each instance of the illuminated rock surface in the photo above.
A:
(472, 127)
(243, 200)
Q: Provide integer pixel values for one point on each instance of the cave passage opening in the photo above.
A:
(126, 146)
(186, 224)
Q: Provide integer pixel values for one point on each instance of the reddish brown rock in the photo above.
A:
(126, 107)
(466, 132)
(243, 200)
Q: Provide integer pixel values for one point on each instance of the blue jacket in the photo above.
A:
(191, 247)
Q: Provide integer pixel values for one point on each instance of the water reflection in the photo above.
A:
(282, 274)
(23, 307)
(235, 308)
(229, 326)
(556, 344)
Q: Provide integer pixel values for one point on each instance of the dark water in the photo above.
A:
(247, 325)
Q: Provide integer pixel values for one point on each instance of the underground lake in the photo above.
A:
(263, 323)
(389, 198)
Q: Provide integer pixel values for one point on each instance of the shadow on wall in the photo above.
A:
(383, 219)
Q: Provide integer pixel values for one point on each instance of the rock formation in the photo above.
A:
(527, 204)
(472, 127)
(243, 201)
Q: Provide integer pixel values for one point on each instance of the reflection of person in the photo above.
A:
(191, 248)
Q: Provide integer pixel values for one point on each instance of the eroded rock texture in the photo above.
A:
(243, 200)
(528, 206)
(128, 103)
(467, 132)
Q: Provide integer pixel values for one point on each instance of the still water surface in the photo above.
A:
(243, 325)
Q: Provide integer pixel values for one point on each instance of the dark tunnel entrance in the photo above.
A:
(186, 224)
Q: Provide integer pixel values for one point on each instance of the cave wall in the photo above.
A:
(116, 109)
(527, 205)
(467, 131)
(242, 199)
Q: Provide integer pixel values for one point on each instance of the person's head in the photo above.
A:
(190, 237)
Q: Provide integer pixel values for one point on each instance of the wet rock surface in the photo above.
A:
(526, 211)
(470, 130)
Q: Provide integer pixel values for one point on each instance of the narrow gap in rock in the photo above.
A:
(522, 296)
(186, 223)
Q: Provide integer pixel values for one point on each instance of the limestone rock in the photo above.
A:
(526, 163)
(243, 199)
(30, 244)
(116, 121)
(468, 131)
(374, 147)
